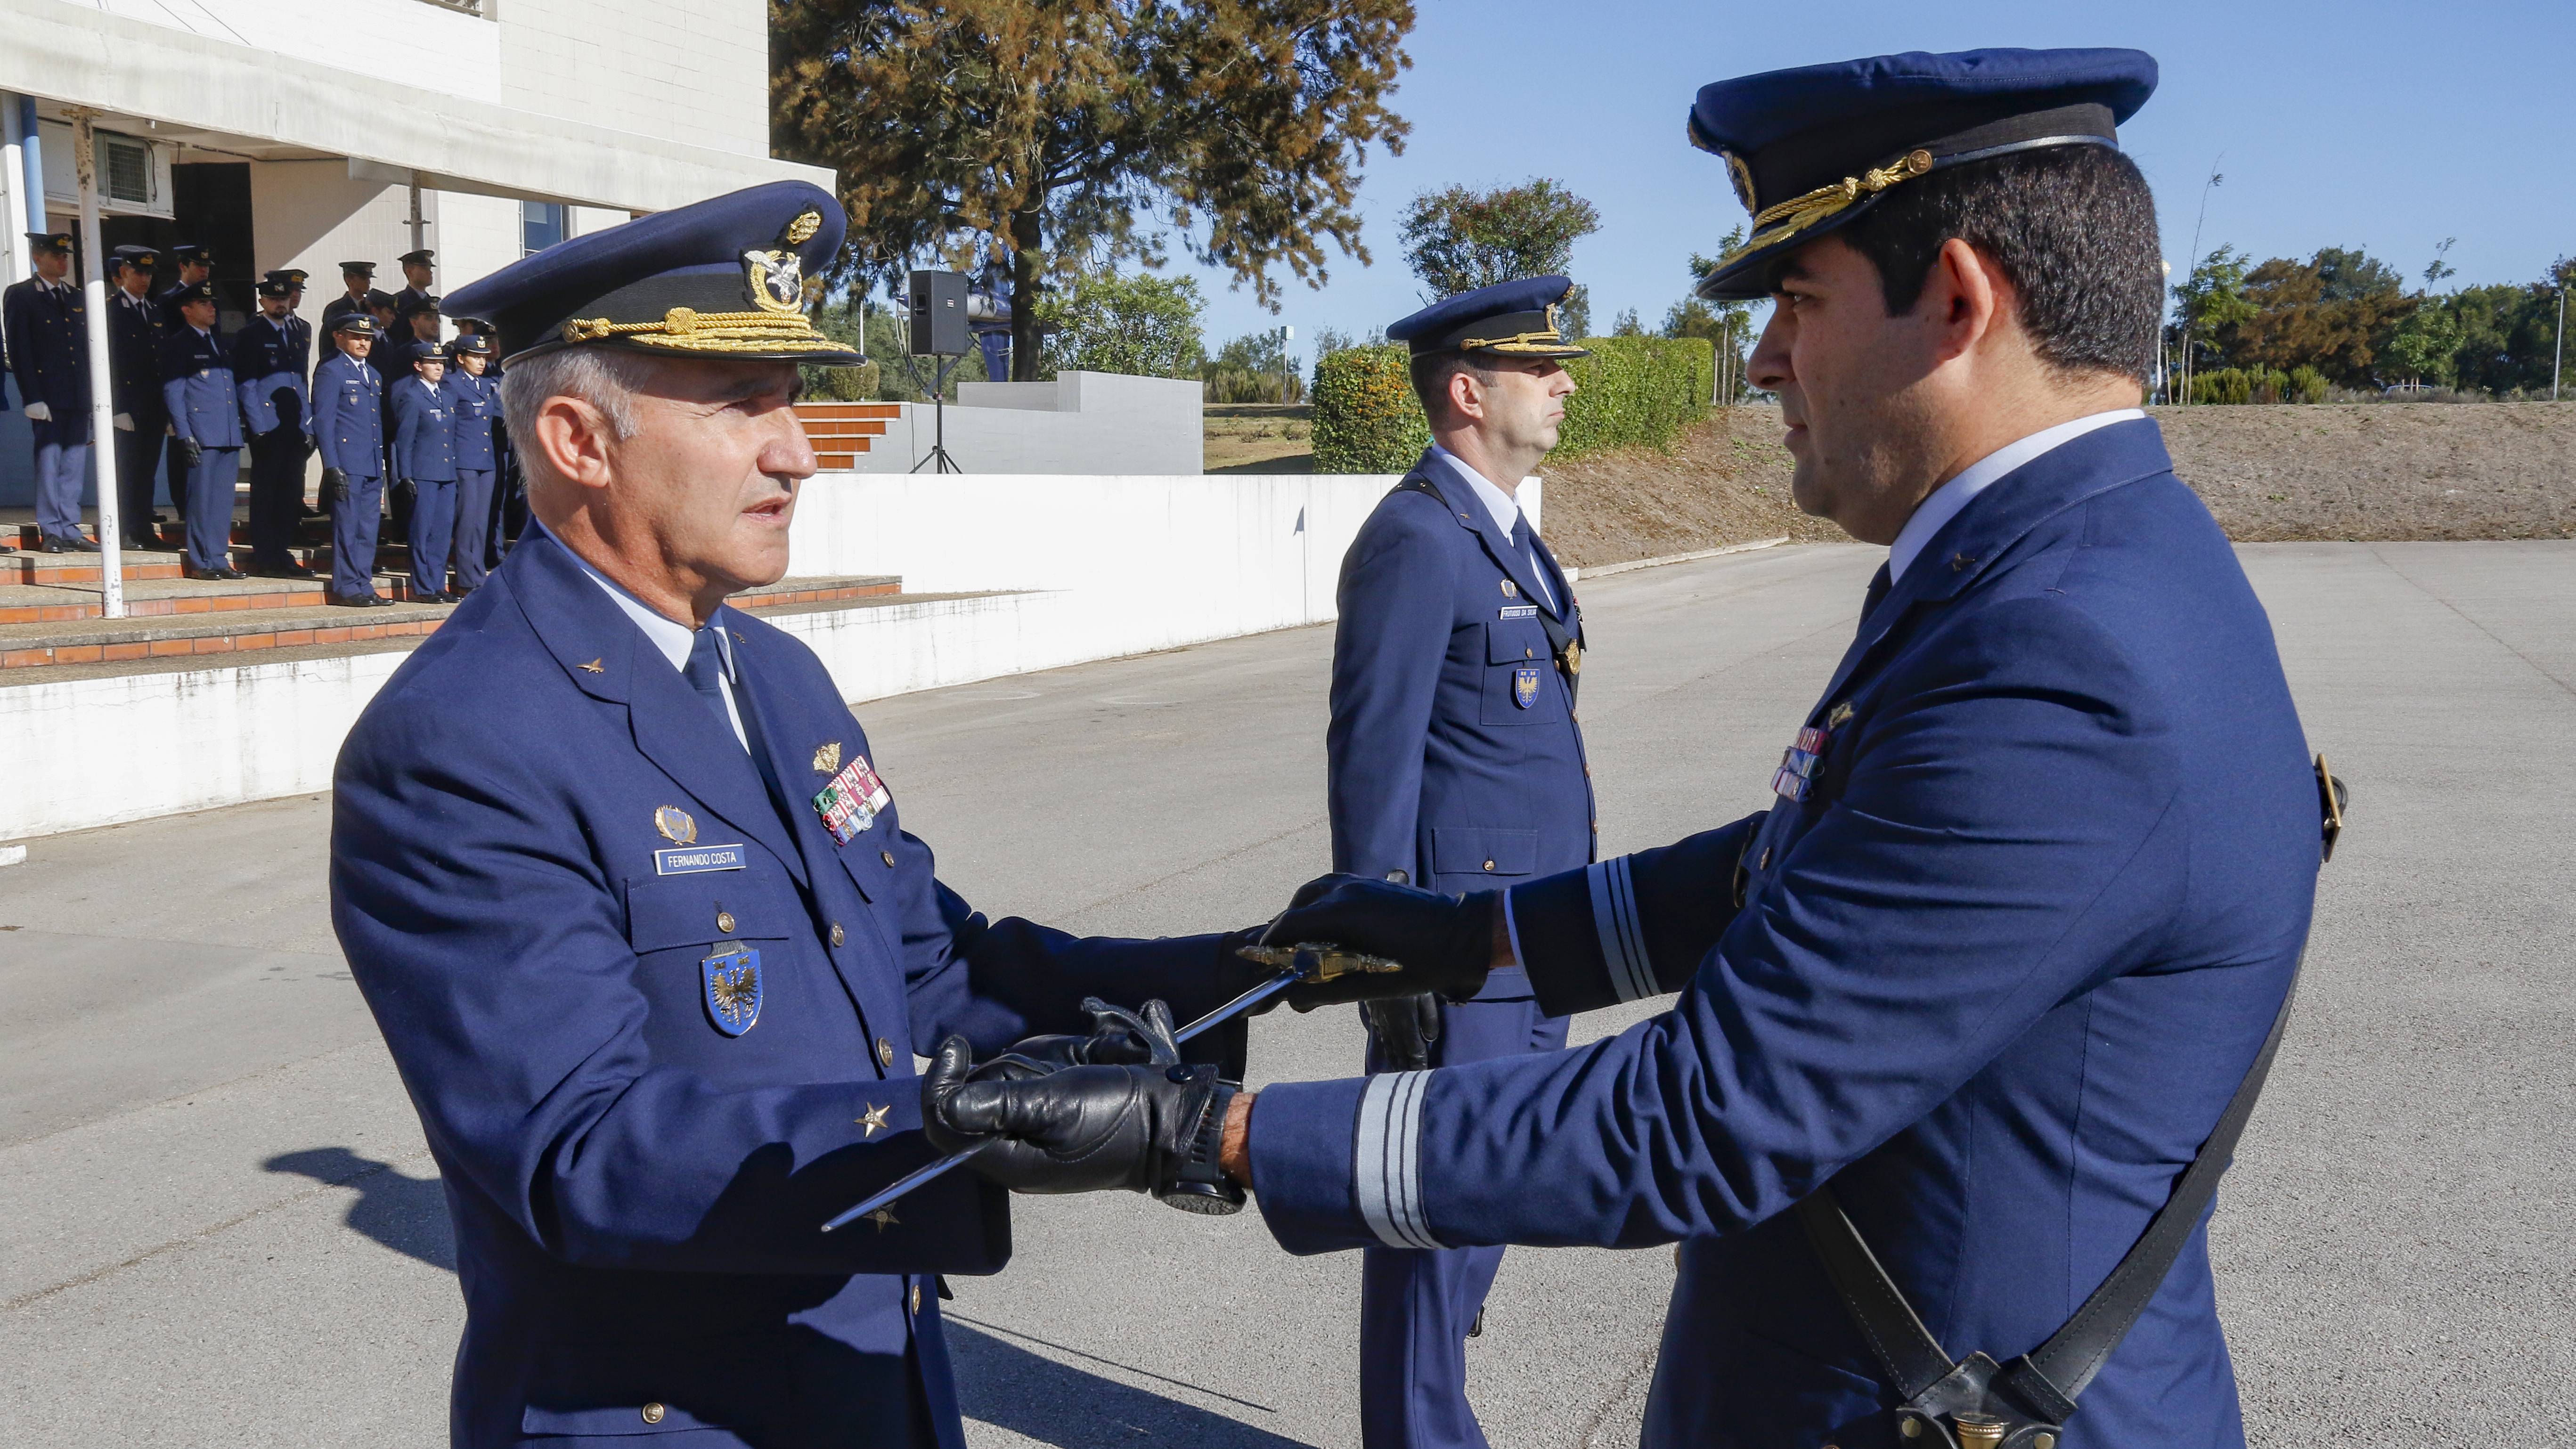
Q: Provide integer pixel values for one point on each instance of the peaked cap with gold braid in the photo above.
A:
(721, 278)
(1508, 319)
(1813, 149)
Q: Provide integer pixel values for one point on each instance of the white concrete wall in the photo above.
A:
(679, 70)
(1098, 567)
(1082, 422)
(443, 50)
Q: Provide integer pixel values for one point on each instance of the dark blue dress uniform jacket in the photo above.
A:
(477, 402)
(1995, 978)
(197, 388)
(265, 363)
(348, 416)
(134, 360)
(46, 330)
(424, 419)
(1436, 769)
(637, 1194)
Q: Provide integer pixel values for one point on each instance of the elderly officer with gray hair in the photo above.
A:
(635, 908)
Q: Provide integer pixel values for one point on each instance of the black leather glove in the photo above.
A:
(1118, 1037)
(1150, 1127)
(335, 485)
(406, 489)
(1446, 943)
(190, 451)
(1404, 1027)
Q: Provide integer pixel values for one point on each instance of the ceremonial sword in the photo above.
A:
(1308, 961)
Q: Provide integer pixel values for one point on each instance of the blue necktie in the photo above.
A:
(1529, 555)
(705, 673)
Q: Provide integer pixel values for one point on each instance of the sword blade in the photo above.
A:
(919, 1175)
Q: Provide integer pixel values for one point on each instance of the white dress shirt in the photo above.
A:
(1950, 497)
(671, 637)
(1500, 502)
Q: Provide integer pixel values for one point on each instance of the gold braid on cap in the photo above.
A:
(695, 331)
(1801, 212)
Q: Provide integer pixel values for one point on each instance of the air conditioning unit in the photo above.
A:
(133, 173)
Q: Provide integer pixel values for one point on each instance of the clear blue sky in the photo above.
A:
(2369, 124)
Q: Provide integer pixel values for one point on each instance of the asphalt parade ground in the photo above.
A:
(219, 1225)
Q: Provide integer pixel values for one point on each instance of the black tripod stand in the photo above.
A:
(937, 459)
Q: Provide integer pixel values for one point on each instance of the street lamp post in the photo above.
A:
(102, 394)
(2559, 362)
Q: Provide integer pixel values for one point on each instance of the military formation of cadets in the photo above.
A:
(394, 415)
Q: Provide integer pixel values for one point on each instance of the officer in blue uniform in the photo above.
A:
(424, 467)
(46, 324)
(197, 387)
(267, 370)
(476, 404)
(640, 919)
(196, 265)
(2010, 946)
(416, 269)
(357, 279)
(134, 384)
(1455, 763)
(300, 334)
(349, 433)
(415, 327)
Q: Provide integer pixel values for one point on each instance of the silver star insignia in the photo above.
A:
(875, 1119)
(883, 1218)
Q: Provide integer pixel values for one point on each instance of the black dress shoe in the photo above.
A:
(283, 571)
(230, 573)
(52, 545)
(145, 544)
(78, 544)
(158, 518)
(362, 601)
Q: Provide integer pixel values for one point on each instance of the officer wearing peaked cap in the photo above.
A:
(198, 388)
(196, 264)
(655, 819)
(134, 376)
(1455, 763)
(2010, 948)
(349, 434)
(417, 269)
(46, 325)
(357, 279)
(268, 370)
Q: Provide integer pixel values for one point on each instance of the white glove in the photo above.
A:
(39, 413)
(125, 422)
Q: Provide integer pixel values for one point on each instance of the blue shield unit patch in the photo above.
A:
(1525, 685)
(732, 978)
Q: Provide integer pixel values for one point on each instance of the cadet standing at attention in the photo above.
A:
(134, 383)
(46, 326)
(2011, 947)
(424, 467)
(639, 918)
(415, 328)
(274, 405)
(206, 434)
(476, 404)
(359, 278)
(349, 433)
(416, 278)
(1455, 763)
(196, 264)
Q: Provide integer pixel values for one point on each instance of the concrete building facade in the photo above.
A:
(303, 133)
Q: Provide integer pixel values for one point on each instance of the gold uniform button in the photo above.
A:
(1489, 865)
(653, 1413)
(888, 857)
(885, 1052)
(916, 1298)
(838, 935)
(724, 922)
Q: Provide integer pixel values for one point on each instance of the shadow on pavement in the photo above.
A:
(406, 1214)
(1005, 1385)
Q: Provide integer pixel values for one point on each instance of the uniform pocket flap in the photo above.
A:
(1483, 850)
(1515, 641)
(694, 910)
(657, 1387)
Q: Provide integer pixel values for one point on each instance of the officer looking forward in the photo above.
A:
(268, 369)
(198, 389)
(2015, 935)
(134, 377)
(640, 920)
(1455, 763)
(46, 325)
(349, 434)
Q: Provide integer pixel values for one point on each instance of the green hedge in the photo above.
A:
(1632, 391)
(2258, 384)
